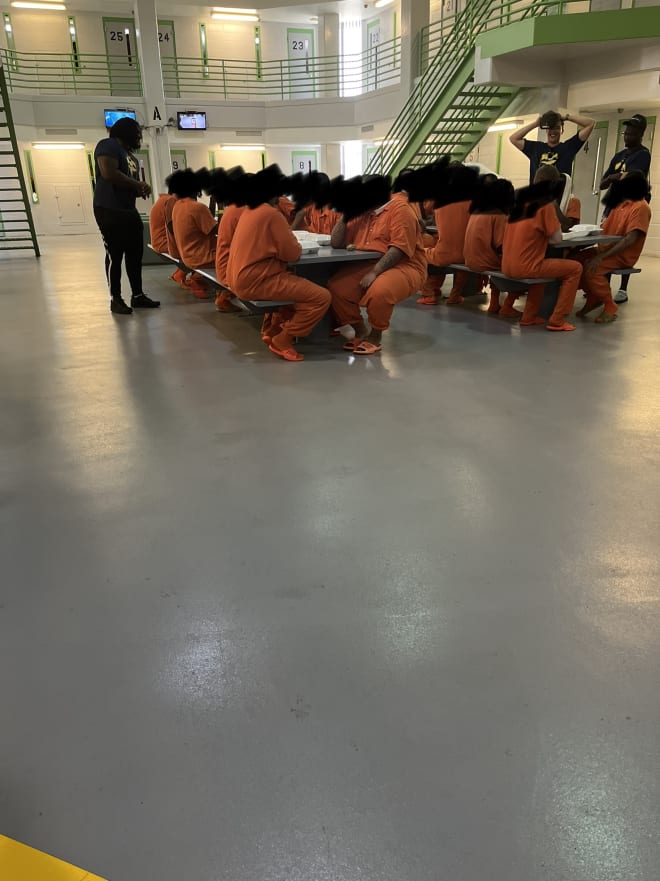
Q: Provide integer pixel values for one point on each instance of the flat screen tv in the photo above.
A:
(111, 116)
(189, 120)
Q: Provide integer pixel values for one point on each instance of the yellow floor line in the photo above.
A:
(18, 862)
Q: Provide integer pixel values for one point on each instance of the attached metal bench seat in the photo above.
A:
(251, 307)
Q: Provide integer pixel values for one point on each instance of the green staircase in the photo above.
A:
(447, 112)
(17, 232)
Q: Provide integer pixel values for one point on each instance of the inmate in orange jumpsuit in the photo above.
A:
(620, 221)
(482, 250)
(393, 225)
(261, 248)
(194, 227)
(320, 220)
(226, 230)
(286, 208)
(523, 256)
(451, 221)
(574, 209)
(158, 217)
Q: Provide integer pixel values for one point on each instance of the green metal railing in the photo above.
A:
(447, 51)
(284, 79)
(68, 74)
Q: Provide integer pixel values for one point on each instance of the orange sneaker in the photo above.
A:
(455, 300)
(428, 301)
(223, 303)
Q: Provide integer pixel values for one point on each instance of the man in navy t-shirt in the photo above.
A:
(117, 186)
(555, 151)
(634, 157)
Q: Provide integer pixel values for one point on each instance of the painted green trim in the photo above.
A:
(583, 27)
(31, 181)
(498, 154)
(257, 51)
(295, 153)
(9, 37)
(211, 159)
(73, 39)
(263, 159)
(204, 50)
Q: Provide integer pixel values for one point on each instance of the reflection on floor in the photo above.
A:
(389, 619)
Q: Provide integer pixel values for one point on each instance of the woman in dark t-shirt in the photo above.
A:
(117, 186)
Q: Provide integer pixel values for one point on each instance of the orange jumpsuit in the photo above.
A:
(620, 221)
(574, 209)
(482, 250)
(226, 231)
(194, 227)
(172, 247)
(286, 208)
(320, 220)
(393, 225)
(523, 256)
(451, 221)
(157, 223)
(261, 248)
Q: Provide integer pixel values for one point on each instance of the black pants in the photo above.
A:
(123, 240)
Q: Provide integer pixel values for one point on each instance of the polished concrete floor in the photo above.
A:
(389, 619)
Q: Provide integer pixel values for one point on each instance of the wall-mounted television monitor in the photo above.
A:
(111, 116)
(189, 120)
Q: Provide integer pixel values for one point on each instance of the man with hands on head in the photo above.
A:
(555, 151)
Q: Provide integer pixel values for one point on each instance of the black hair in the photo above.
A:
(633, 186)
(128, 130)
(492, 195)
(184, 184)
(528, 200)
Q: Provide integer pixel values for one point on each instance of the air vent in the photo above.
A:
(61, 131)
(249, 133)
(367, 128)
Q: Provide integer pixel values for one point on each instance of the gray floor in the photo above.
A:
(390, 619)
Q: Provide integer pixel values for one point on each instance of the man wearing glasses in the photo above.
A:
(555, 151)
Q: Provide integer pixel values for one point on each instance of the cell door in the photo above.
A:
(373, 43)
(167, 46)
(178, 159)
(69, 201)
(300, 47)
(588, 169)
(121, 51)
(142, 156)
(304, 161)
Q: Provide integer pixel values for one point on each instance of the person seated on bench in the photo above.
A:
(484, 236)
(194, 226)
(550, 174)
(286, 208)
(224, 187)
(378, 285)
(158, 231)
(452, 212)
(317, 220)
(261, 248)
(532, 225)
(629, 216)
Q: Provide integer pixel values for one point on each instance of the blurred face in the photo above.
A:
(632, 136)
(132, 138)
(554, 136)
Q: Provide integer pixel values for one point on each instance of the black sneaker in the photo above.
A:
(118, 306)
(142, 301)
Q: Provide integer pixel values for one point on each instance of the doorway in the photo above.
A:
(121, 52)
(588, 171)
(300, 47)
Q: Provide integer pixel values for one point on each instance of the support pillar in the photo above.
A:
(414, 16)
(329, 48)
(146, 30)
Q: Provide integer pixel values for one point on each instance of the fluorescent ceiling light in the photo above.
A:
(58, 146)
(505, 126)
(380, 3)
(254, 147)
(19, 4)
(231, 16)
(236, 9)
